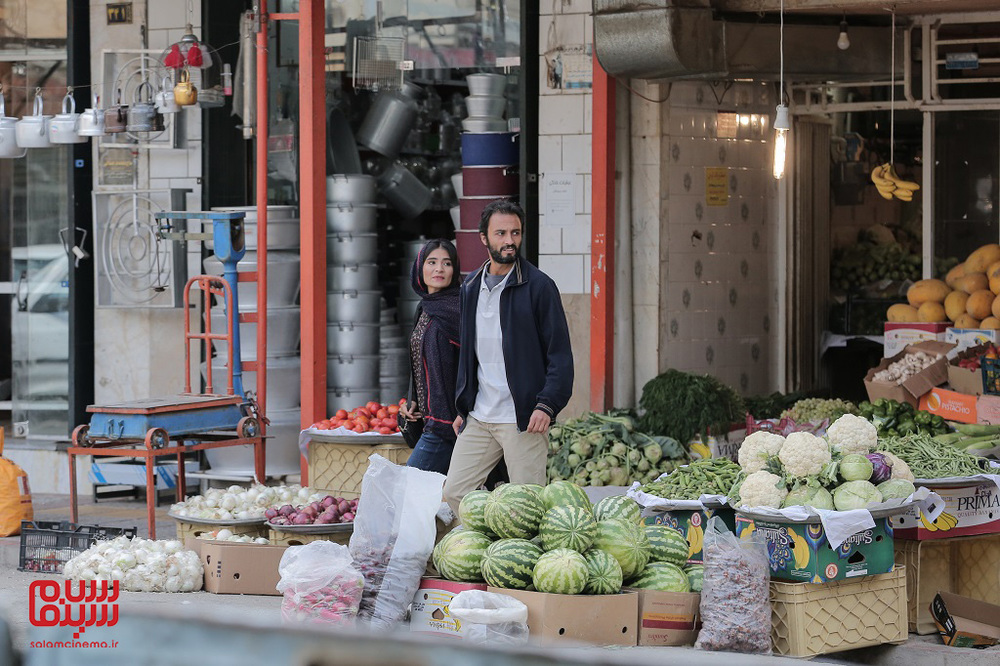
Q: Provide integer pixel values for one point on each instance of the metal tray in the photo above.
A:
(876, 513)
(210, 521)
(312, 529)
(371, 440)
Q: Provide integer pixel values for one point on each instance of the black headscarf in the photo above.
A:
(442, 306)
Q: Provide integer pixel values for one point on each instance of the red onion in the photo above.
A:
(347, 517)
(287, 510)
(882, 468)
(328, 500)
(270, 513)
(344, 506)
(301, 519)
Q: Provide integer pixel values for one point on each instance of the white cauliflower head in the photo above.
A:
(900, 470)
(852, 434)
(756, 448)
(804, 454)
(763, 489)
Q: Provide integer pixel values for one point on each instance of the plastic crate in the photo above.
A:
(991, 376)
(809, 619)
(279, 538)
(337, 466)
(185, 529)
(46, 546)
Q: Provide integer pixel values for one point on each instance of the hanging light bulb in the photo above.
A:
(843, 41)
(781, 127)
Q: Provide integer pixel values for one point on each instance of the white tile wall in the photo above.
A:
(567, 270)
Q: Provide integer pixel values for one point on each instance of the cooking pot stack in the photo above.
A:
(395, 364)
(354, 300)
(490, 155)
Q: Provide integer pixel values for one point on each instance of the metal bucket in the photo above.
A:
(388, 123)
(341, 277)
(349, 339)
(351, 248)
(471, 211)
(360, 307)
(350, 187)
(490, 181)
(404, 191)
(471, 251)
(350, 218)
(352, 371)
(283, 333)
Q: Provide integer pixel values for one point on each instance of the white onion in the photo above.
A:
(142, 565)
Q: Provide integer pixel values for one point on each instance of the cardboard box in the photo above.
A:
(724, 446)
(800, 552)
(988, 411)
(238, 568)
(969, 509)
(606, 619)
(429, 613)
(913, 388)
(899, 335)
(963, 338)
(963, 380)
(668, 618)
(692, 525)
(965, 622)
(950, 405)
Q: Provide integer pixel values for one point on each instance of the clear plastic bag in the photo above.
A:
(491, 618)
(393, 537)
(735, 606)
(320, 584)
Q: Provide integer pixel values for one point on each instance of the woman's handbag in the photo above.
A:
(410, 430)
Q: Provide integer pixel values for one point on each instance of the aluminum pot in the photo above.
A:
(349, 339)
(8, 135)
(410, 253)
(92, 120)
(284, 387)
(283, 333)
(357, 188)
(486, 106)
(490, 181)
(351, 248)
(388, 123)
(283, 279)
(360, 307)
(282, 227)
(342, 277)
(472, 211)
(344, 398)
(486, 84)
(283, 455)
(491, 149)
(404, 191)
(407, 309)
(33, 131)
(347, 217)
(471, 251)
(394, 363)
(480, 125)
(352, 371)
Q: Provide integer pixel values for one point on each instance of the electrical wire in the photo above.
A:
(892, 93)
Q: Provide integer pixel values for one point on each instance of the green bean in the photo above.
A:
(929, 459)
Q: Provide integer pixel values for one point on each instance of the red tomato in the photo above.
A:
(373, 406)
(341, 414)
(364, 411)
(392, 409)
(382, 413)
(384, 431)
(402, 401)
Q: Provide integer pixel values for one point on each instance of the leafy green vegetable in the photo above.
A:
(683, 405)
(770, 406)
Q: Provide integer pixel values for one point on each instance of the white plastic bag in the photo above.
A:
(393, 537)
(735, 605)
(320, 584)
(491, 618)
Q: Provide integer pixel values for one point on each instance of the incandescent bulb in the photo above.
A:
(781, 127)
(843, 41)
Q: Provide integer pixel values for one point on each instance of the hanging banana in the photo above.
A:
(890, 185)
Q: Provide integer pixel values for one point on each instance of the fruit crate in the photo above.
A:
(991, 376)
(280, 538)
(809, 619)
(337, 463)
(966, 565)
(46, 546)
(194, 530)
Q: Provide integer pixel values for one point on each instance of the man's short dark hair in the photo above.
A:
(502, 206)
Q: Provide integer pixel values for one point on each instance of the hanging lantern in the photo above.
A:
(204, 65)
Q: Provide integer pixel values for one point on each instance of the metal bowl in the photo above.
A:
(486, 84)
(481, 125)
(360, 307)
(486, 106)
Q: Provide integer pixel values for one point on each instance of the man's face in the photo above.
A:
(503, 238)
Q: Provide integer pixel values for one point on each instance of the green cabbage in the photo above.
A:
(817, 498)
(856, 467)
(855, 495)
(896, 489)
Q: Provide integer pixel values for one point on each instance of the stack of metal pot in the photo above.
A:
(283, 332)
(394, 370)
(353, 298)
(490, 155)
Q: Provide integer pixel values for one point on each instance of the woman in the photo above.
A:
(434, 355)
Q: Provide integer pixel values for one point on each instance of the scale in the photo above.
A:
(145, 428)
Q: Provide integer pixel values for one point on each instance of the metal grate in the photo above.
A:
(378, 59)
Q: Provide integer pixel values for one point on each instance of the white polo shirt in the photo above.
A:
(494, 403)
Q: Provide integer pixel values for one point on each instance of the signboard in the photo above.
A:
(119, 13)
(560, 199)
(717, 186)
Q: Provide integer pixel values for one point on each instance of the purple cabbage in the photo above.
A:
(882, 467)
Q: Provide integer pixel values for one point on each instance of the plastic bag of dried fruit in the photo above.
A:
(735, 608)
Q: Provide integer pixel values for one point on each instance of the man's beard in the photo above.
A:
(499, 258)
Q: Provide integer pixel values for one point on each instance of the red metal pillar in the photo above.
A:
(602, 243)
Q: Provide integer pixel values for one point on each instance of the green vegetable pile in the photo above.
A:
(712, 476)
(608, 450)
(900, 418)
(819, 409)
(682, 405)
(930, 459)
(858, 266)
(770, 406)
(973, 438)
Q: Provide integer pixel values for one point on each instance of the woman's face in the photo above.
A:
(438, 270)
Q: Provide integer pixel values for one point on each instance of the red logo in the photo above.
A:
(831, 571)
(78, 604)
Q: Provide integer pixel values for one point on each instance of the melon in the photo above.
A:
(663, 576)
(954, 304)
(513, 511)
(626, 542)
(901, 312)
(922, 291)
(567, 527)
(509, 563)
(953, 275)
(560, 571)
(604, 574)
(696, 576)
(931, 312)
(618, 507)
(982, 258)
(970, 283)
(470, 511)
(980, 304)
(966, 321)
(666, 544)
(990, 323)
(565, 493)
(461, 556)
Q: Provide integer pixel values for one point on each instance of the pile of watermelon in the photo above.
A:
(552, 539)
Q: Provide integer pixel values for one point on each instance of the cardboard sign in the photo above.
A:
(969, 509)
(950, 405)
(965, 622)
(899, 335)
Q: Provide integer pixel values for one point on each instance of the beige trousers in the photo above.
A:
(480, 447)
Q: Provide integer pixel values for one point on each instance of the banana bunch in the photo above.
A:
(890, 185)
(944, 522)
(800, 550)
(696, 539)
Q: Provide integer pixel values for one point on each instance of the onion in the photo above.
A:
(270, 513)
(347, 517)
(301, 519)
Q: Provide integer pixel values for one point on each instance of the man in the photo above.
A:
(515, 367)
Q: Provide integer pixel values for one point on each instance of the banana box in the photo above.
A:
(692, 525)
(972, 508)
(800, 552)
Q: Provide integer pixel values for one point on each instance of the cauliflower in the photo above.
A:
(763, 489)
(900, 470)
(852, 434)
(756, 448)
(804, 454)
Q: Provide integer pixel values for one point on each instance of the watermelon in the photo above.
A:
(439, 549)
(534, 486)
(626, 542)
(565, 493)
(470, 511)
(604, 574)
(509, 563)
(620, 507)
(560, 571)
(513, 512)
(662, 576)
(461, 556)
(666, 544)
(696, 576)
(567, 527)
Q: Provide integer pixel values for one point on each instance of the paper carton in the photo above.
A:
(950, 405)
(668, 618)
(963, 380)
(965, 622)
(917, 385)
(605, 619)
(963, 338)
(899, 335)
(692, 525)
(429, 613)
(238, 568)
(970, 509)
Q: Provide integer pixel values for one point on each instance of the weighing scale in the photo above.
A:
(144, 428)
